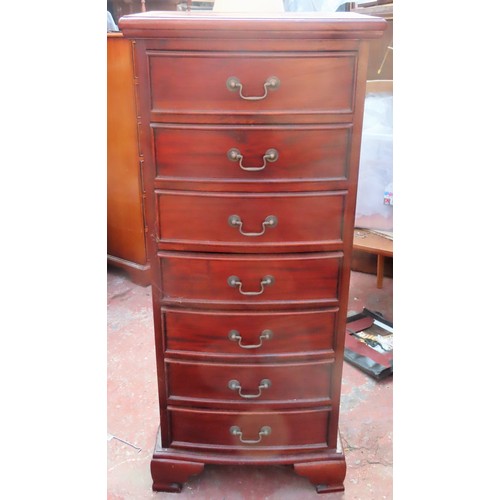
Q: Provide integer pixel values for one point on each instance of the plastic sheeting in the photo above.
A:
(111, 23)
(374, 200)
(312, 5)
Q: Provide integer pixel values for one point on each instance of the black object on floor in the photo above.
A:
(368, 344)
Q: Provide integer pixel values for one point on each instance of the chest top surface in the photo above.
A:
(164, 24)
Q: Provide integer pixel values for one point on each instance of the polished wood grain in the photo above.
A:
(291, 431)
(200, 221)
(301, 384)
(327, 476)
(202, 87)
(189, 121)
(125, 217)
(194, 334)
(305, 280)
(168, 475)
(199, 153)
(232, 26)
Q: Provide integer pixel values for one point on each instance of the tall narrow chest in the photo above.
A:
(250, 130)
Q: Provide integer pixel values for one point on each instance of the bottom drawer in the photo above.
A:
(286, 431)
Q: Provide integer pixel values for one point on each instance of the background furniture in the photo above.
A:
(250, 131)
(119, 8)
(378, 260)
(374, 244)
(126, 229)
(380, 61)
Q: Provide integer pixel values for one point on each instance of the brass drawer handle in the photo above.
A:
(235, 221)
(236, 431)
(234, 335)
(271, 156)
(234, 385)
(234, 282)
(233, 84)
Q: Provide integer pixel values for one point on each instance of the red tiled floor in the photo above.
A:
(365, 418)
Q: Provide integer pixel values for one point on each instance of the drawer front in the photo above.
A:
(281, 221)
(231, 280)
(248, 334)
(204, 153)
(232, 431)
(197, 82)
(297, 384)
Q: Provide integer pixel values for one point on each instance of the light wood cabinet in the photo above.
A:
(125, 215)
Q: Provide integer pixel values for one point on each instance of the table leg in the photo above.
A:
(380, 270)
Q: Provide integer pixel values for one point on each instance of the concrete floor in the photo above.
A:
(365, 416)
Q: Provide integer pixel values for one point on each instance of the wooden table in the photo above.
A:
(366, 241)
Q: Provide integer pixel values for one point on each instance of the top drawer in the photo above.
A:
(265, 84)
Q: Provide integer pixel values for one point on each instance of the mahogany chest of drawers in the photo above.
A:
(250, 132)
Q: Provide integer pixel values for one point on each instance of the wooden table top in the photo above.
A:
(372, 243)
